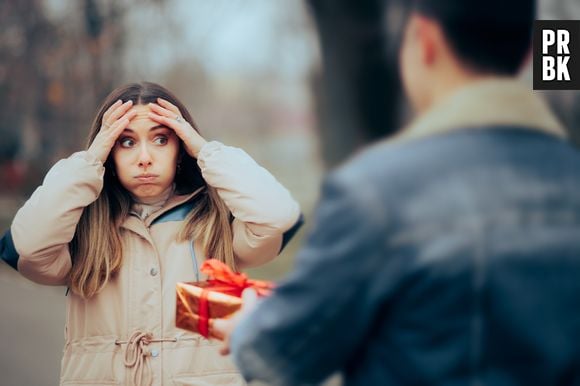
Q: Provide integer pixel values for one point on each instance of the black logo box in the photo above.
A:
(573, 27)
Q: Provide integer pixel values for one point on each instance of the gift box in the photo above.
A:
(219, 297)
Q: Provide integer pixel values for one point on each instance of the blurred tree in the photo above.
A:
(358, 92)
(54, 71)
(21, 75)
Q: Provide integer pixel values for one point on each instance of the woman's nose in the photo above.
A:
(145, 159)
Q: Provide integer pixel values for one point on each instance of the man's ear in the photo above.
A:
(527, 62)
(429, 35)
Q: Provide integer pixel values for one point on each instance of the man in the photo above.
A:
(449, 255)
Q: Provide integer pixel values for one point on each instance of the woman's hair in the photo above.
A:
(96, 248)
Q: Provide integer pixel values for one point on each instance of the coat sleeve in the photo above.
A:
(263, 209)
(324, 311)
(44, 226)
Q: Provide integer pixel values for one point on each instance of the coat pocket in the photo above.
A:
(92, 363)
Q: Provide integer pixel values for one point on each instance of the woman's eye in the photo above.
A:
(126, 142)
(160, 140)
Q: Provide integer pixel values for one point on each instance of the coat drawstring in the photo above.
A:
(136, 357)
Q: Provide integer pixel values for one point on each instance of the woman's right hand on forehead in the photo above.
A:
(114, 121)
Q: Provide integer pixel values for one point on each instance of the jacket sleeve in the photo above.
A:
(325, 309)
(43, 227)
(7, 252)
(263, 209)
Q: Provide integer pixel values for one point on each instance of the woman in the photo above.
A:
(123, 221)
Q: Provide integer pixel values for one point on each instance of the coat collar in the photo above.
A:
(486, 103)
(173, 202)
(135, 224)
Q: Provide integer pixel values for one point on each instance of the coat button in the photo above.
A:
(153, 271)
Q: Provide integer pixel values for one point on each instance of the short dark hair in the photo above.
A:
(492, 36)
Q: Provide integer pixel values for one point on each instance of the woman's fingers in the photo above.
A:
(159, 110)
(105, 139)
(174, 109)
(191, 139)
(120, 124)
(181, 128)
(116, 113)
(120, 111)
(166, 121)
(170, 116)
(110, 110)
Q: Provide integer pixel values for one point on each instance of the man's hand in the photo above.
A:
(224, 327)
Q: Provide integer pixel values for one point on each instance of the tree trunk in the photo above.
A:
(358, 92)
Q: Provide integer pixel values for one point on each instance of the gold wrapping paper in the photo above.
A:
(220, 305)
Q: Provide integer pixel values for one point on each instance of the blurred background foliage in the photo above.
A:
(299, 84)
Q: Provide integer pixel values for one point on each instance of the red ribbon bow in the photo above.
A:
(222, 279)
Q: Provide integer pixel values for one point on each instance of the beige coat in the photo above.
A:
(141, 298)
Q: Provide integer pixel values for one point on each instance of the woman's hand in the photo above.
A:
(114, 121)
(169, 115)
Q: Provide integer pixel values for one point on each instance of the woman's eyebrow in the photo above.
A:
(159, 127)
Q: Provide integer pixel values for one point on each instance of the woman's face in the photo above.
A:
(145, 156)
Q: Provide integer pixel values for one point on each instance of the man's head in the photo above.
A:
(450, 42)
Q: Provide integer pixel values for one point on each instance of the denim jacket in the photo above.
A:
(443, 257)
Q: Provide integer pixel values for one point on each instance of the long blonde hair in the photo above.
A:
(97, 249)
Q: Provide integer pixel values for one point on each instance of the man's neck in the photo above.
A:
(447, 84)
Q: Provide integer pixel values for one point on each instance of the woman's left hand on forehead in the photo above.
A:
(169, 115)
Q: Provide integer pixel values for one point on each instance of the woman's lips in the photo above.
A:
(146, 177)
